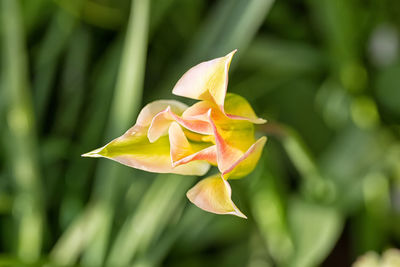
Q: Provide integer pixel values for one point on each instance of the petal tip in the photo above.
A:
(93, 154)
(231, 54)
(238, 213)
(260, 121)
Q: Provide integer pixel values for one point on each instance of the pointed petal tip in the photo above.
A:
(260, 121)
(232, 53)
(93, 154)
(238, 213)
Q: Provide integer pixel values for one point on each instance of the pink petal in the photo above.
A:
(226, 155)
(161, 122)
(208, 154)
(206, 81)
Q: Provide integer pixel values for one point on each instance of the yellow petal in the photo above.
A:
(134, 150)
(237, 107)
(213, 194)
(247, 162)
(206, 81)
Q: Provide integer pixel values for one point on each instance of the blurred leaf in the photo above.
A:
(28, 206)
(231, 25)
(315, 228)
(270, 215)
(387, 90)
(150, 218)
(125, 105)
(47, 60)
(281, 57)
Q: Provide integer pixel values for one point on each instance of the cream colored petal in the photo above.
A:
(213, 194)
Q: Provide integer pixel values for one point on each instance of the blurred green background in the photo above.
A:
(75, 73)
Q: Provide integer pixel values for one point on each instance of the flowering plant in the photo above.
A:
(170, 137)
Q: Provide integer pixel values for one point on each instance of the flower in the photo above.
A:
(389, 258)
(170, 137)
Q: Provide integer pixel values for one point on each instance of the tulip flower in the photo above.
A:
(170, 137)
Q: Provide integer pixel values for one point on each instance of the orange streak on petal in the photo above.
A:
(226, 155)
(208, 154)
(180, 146)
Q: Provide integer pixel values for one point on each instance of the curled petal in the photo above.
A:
(206, 81)
(235, 108)
(208, 154)
(213, 194)
(180, 146)
(232, 161)
(160, 124)
(247, 162)
(134, 150)
(146, 115)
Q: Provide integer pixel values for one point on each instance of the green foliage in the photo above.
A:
(74, 74)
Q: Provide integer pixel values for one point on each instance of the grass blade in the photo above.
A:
(23, 142)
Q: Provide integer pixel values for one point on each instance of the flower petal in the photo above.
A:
(213, 194)
(233, 161)
(247, 162)
(134, 150)
(147, 114)
(206, 81)
(180, 146)
(237, 107)
(208, 154)
(182, 152)
(160, 124)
